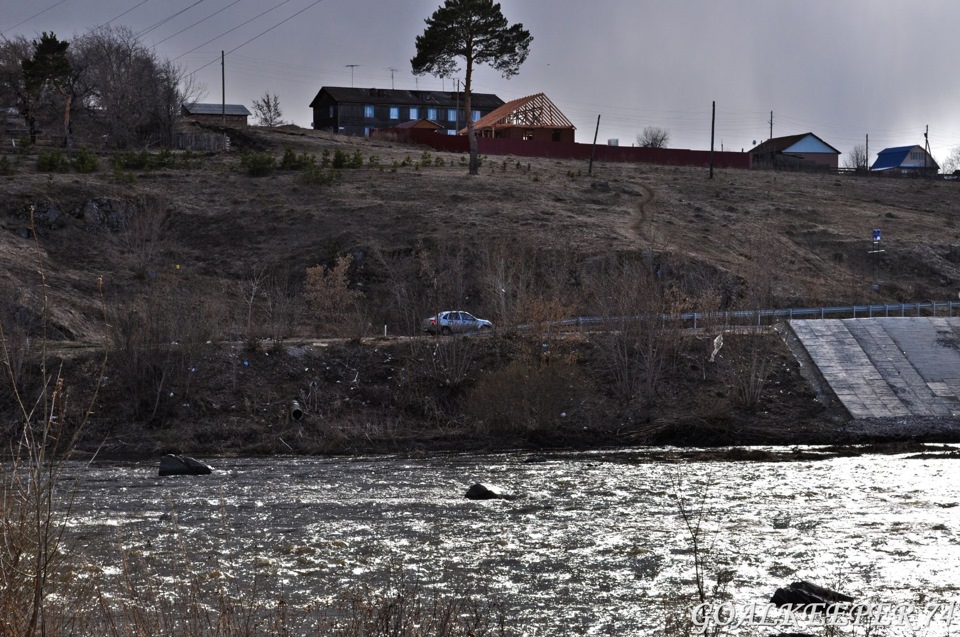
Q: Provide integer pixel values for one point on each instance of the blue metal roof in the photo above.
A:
(891, 157)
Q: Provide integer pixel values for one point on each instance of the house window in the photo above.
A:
(451, 114)
(366, 131)
(331, 112)
(368, 111)
(414, 112)
(528, 135)
(475, 115)
(394, 112)
(432, 114)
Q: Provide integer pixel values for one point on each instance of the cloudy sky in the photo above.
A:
(842, 69)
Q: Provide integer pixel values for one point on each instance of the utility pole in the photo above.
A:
(392, 71)
(223, 88)
(594, 147)
(926, 149)
(713, 128)
(352, 66)
(456, 86)
(771, 125)
(866, 153)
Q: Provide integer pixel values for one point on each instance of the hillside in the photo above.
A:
(207, 252)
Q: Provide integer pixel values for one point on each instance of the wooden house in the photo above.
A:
(804, 151)
(357, 111)
(232, 115)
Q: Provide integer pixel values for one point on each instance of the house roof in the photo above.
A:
(440, 99)
(216, 109)
(895, 157)
(782, 144)
(532, 111)
(423, 122)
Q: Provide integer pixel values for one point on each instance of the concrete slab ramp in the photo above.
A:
(888, 367)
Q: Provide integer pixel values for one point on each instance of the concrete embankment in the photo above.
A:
(888, 369)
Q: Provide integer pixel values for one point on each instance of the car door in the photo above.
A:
(468, 323)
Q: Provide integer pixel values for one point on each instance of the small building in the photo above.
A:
(800, 152)
(531, 118)
(907, 160)
(358, 111)
(422, 124)
(232, 115)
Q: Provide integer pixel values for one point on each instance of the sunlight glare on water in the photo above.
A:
(593, 543)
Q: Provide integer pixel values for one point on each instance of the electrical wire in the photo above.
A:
(34, 16)
(230, 31)
(107, 23)
(310, 6)
(194, 24)
(167, 19)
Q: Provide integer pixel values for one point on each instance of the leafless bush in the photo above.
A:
(748, 366)
(637, 340)
(32, 500)
(336, 305)
(143, 226)
(157, 342)
(523, 398)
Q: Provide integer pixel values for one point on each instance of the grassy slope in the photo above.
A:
(786, 239)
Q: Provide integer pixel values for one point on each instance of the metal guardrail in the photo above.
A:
(756, 317)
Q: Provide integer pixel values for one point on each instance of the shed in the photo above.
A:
(905, 160)
(234, 115)
(531, 118)
(802, 151)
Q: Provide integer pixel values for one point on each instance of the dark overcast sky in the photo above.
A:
(839, 68)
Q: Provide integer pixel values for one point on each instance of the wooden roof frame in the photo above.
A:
(533, 111)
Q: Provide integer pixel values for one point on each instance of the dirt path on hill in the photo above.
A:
(647, 207)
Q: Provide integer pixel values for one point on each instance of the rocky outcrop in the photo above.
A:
(171, 465)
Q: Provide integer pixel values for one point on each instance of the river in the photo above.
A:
(592, 544)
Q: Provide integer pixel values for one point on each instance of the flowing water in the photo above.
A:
(593, 543)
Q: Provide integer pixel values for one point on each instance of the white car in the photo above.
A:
(455, 322)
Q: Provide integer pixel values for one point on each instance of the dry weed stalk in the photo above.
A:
(33, 507)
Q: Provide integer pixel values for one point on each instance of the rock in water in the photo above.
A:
(171, 465)
(479, 492)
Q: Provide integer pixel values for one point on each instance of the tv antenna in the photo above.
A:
(392, 71)
(351, 66)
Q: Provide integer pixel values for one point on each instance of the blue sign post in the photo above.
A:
(876, 235)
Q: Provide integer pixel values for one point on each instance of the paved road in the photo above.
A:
(888, 367)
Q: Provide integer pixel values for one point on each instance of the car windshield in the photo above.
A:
(467, 317)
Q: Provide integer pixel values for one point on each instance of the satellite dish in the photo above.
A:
(754, 142)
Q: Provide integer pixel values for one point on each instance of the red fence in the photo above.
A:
(558, 150)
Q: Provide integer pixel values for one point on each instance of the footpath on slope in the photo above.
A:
(892, 375)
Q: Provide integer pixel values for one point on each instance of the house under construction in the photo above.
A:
(531, 118)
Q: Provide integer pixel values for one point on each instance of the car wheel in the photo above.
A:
(445, 330)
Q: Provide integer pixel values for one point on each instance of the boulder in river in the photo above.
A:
(478, 491)
(171, 465)
(803, 594)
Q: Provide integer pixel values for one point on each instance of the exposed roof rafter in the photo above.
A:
(533, 111)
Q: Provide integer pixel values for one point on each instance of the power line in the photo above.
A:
(262, 33)
(167, 19)
(230, 31)
(35, 15)
(194, 24)
(124, 13)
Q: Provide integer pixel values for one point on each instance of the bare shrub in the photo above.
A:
(523, 398)
(157, 343)
(33, 562)
(747, 365)
(143, 226)
(637, 339)
(336, 305)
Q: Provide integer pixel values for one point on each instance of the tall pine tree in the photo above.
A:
(477, 32)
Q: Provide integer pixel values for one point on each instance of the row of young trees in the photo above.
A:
(105, 84)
